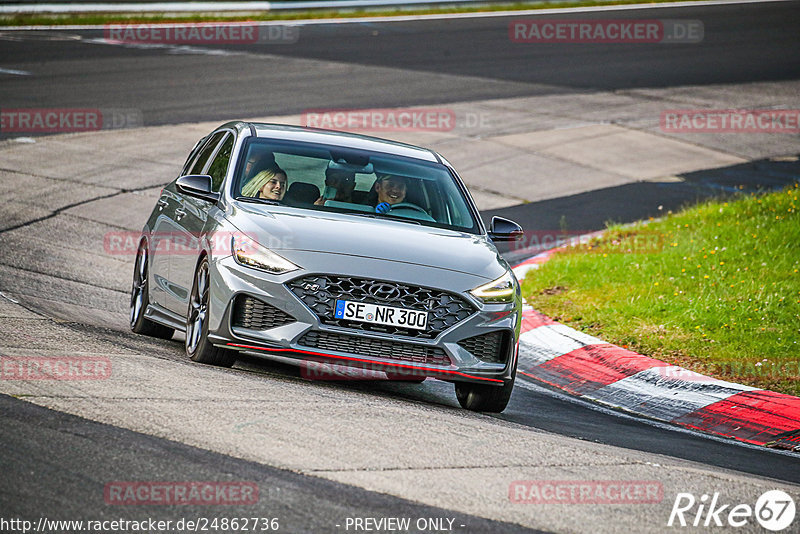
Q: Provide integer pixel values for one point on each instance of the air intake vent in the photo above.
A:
(249, 312)
(491, 347)
(376, 348)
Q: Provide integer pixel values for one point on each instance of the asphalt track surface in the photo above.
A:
(68, 482)
(442, 61)
(753, 42)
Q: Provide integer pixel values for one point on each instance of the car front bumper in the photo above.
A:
(308, 337)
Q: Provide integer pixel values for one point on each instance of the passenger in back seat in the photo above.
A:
(342, 182)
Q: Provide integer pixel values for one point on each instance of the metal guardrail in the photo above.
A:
(137, 6)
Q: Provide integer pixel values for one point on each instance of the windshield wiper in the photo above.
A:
(403, 219)
(258, 200)
(386, 216)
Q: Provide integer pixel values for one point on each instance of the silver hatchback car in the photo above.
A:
(330, 248)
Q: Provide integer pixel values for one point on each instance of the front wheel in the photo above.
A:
(197, 346)
(485, 398)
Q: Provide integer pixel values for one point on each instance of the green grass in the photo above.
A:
(714, 288)
(134, 18)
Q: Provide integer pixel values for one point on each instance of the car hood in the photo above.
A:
(287, 229)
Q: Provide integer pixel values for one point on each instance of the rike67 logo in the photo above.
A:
(774, 510)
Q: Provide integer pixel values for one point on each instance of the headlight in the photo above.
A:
(500, 290)
(247, 252)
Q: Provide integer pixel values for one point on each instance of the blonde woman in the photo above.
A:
(270, 184)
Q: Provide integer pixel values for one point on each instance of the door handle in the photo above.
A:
(162, 203)
(179, 214)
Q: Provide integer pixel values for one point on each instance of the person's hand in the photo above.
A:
(383, 207)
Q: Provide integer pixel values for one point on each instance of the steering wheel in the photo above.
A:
(410, 206)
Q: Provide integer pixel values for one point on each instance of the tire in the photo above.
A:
(485, 398)
(197, 345)
(140, 298)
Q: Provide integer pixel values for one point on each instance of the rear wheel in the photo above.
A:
(140, 298)
(485, 398)
(197, 346)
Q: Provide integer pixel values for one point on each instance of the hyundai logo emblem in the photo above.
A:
(383, 291)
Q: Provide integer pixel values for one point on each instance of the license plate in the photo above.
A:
(378, 314)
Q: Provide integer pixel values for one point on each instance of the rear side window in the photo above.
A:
(219, 166)
(205, 153)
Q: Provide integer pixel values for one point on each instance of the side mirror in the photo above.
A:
(503, 229)
(197, 186)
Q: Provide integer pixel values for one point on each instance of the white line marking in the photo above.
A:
(14, 71)
(170, 48)
(8, 298)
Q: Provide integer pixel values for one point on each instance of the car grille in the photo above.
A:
(376, 348)
(491, 348)
(320, 292)
(249, 312)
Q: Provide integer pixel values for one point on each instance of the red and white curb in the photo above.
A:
(592, 369)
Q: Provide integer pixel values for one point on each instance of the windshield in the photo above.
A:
(320, 177)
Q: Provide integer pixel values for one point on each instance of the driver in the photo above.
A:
(391, 190)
